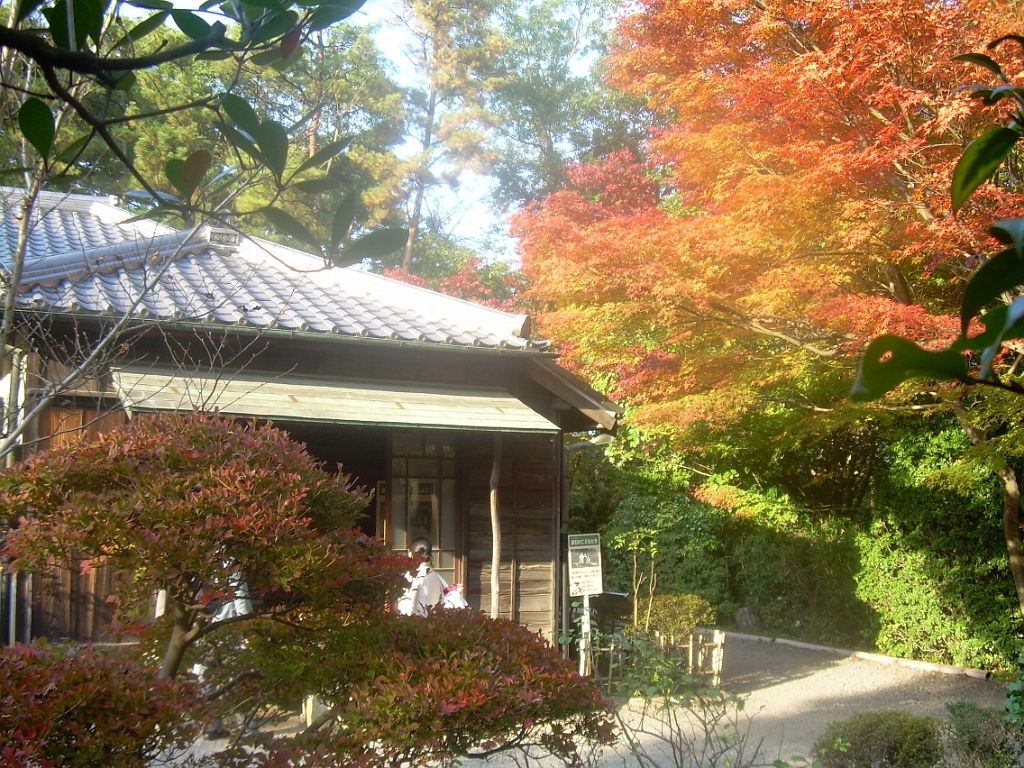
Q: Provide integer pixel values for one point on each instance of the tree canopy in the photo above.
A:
(792, 205)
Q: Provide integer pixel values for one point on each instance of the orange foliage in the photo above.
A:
(804, 159)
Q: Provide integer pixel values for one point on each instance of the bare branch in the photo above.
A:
(85, 63)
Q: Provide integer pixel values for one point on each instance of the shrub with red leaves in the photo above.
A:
(197, 505)
(194, 505)
(84, 708)
(421, 689)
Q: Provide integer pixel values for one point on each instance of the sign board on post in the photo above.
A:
(585, 580)
(585, 565)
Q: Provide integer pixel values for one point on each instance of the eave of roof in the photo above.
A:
(219, 280)
(83, 320)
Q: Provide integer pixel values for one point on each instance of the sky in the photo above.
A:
(466, 208)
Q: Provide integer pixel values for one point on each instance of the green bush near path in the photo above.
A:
(880, 740)
(918, 570)
(979, 737)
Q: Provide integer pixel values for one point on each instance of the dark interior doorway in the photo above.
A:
(362, 453)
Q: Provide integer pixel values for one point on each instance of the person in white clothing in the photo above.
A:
(426, 587)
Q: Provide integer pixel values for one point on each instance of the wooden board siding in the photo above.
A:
(59, 422)
(73, 605)
(529, 529)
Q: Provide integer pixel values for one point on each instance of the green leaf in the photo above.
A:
(88, 19)
(194, 170)
(276, 25)
(979, 161)
(325, 153)
(272, 139)
(57, 16)
(161, 197)
(224, 179)
(982, 61)
(37, 126)
(143, 28)
(326, 16)
(1002, 323)
(70, 152)
(317, 186)
(993, 322)
(996, 276)
(288, 225)
(266, 58)
(237, 139)
(152, 5)
(192, 25)
(890, 360)
(348, 6)
(1011, 232)
(344, 215)
(260, 5)
(378, 243)
(213, 55)
(241, 113)
(126, 82)
(174, 170)
(995, 95)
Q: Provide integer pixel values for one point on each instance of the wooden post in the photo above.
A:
(496, 532)
(585, 642)
(719, 658)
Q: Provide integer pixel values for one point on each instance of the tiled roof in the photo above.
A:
(86, 258)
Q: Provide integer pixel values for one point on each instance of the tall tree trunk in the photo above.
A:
(318, 96)
(422, 179)
(1011, 504)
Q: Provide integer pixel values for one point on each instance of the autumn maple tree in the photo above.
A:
(797, 206)
(792, 205)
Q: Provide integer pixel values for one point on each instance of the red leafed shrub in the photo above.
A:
(417, 690)
(84, 708)
(461, 681)
(193, 504)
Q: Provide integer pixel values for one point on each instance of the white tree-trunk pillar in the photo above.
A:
(495, 531)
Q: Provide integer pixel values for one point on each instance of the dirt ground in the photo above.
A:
(794, 693)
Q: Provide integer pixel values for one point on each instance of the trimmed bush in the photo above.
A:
(880, 740)
(979, 737)
(84, 708)
(678, 615)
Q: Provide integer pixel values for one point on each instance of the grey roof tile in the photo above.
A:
(85, 258)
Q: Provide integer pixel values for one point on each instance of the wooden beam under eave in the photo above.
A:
(576, 392)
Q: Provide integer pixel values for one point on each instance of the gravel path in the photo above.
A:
(794, 693)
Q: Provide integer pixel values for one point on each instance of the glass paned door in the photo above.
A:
(423, 495)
